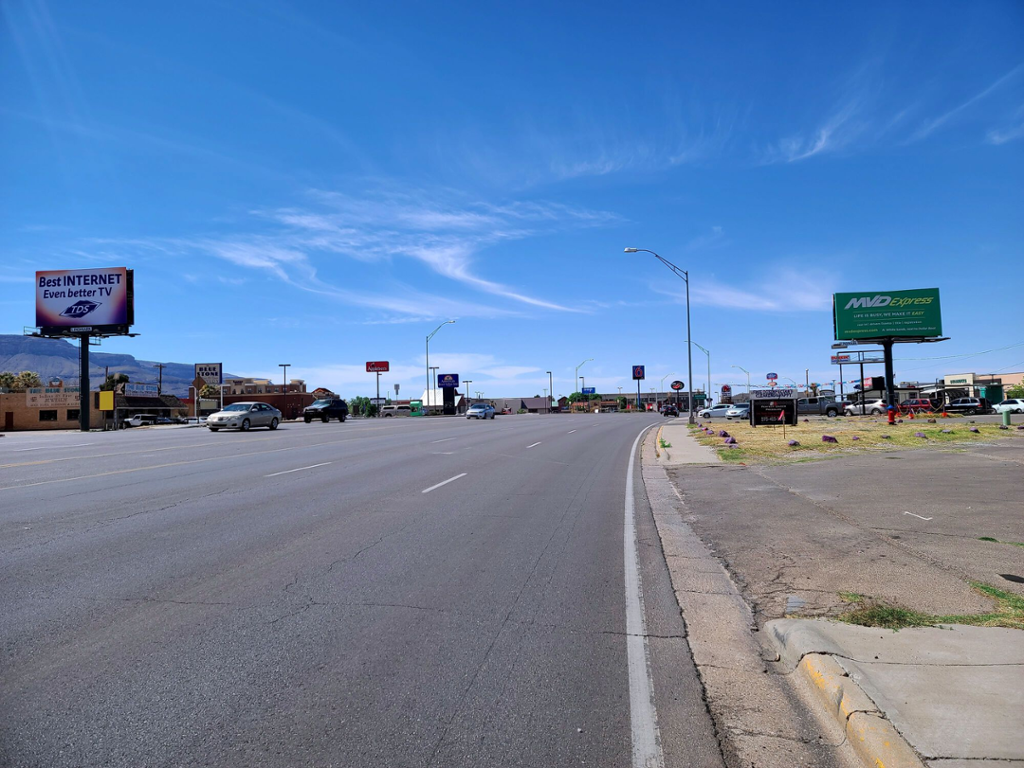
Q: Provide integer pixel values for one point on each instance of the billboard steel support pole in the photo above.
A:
(83, 384)
(889, 375)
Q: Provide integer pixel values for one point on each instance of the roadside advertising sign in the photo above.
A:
(448, 380)
(84, 301)
(138, 389)
(890, 313)
(772, 376)
(107, 400)
(52, 397)
(210, 373)
(782, 393)
(726, 389)
(381, 366)
(772, 413)
(841, 359)
(638, 372)
(589, 391)
(677, 385)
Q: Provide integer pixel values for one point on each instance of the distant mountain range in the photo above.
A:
(58, 358)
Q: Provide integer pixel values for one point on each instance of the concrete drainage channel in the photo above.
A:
(765, 715)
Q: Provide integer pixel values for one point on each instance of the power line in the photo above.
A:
(966, 354)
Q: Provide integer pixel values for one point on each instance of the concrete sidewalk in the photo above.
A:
(683, 449)
(955, 694)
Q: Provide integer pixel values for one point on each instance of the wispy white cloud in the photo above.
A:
(803, 291)
(930, 126)
(838, 131)
(1002, 135)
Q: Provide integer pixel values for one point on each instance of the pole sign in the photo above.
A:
(772, 377)
(448, 380)
(589, 391)
(137, 389)
(773, 413)
(639, 372)
(381, 366)
(93, 301)
(210, 373)
(914, 314)
(677, 385)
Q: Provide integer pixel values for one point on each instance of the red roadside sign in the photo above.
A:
(381, 366)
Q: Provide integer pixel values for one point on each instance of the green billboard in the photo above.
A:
(887, 313)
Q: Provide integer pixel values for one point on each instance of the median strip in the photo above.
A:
(298, 469)
(449, 480)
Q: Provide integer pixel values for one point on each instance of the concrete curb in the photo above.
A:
(872, 736)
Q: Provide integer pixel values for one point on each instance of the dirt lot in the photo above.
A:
(914, 528)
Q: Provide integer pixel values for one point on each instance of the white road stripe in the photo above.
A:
(571, 431)
(449, 480)
(442, 440)
(534, 445)
(22, 450)
(299, 469)
(643, 715)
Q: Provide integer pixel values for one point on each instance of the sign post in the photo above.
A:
(773, 407)
(639, 374)
(378, 367)
(677, 387)
(449, 382)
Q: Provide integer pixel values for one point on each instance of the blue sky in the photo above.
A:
(321, 184)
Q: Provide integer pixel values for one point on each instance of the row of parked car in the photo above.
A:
(823, 406)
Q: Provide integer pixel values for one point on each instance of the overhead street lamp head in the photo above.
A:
(630, 250)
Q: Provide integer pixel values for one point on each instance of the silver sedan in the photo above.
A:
(244, 416)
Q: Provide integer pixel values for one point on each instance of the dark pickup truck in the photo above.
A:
(824, 406)
(325, 410)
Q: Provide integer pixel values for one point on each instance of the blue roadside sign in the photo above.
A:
(589, 390)
(639, 371)
(448, 380)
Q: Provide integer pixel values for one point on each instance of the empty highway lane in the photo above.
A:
(407, 592)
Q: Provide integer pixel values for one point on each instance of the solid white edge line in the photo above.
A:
(449, 480)
(299, 469)
(534, 445)
(643, 715)
(571, 431)
(442, 440)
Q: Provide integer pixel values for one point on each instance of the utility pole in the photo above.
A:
(160, 381)
(284, 386)
(551, 389)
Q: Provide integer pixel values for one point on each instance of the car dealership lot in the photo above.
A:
(385, 591)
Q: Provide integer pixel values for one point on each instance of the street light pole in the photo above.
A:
(698, 346)
(284, 384)
(429, 337)
(551, 389)
(468, 399)
(746, 372)
(577, 382)
(685, 275)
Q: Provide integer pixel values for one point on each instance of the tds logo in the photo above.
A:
(80, 308)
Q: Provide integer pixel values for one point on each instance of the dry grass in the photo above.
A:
(858, 434)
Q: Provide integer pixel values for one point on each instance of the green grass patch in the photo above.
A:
(663, 443)
(997, 541)
(1008, 613)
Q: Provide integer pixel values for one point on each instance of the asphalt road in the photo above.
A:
(407, 592)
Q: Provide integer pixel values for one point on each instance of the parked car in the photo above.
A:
(1013, 405)
(738, 411)
(714, 411)
(325, 410)
(140, 420)
(244, 416)
(480, 411)
(969, 406)
(395, 410)
(823, 406)
(917, 406)
(669, 410)
(868, 407)
(165, 420)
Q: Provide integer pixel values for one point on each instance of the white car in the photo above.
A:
(870, 407)
(244, 416)
(1013, 405)
(715, 410)
(738, 411)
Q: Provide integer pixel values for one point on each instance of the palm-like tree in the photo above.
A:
(8, 380)
(28, 379)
